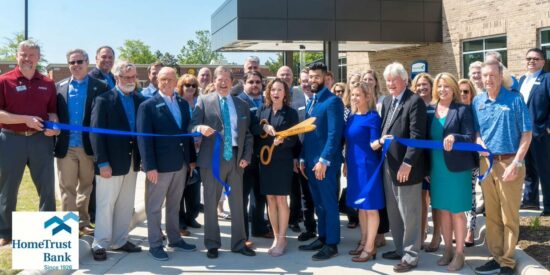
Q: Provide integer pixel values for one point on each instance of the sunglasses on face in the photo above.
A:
(532, 59)
(190, 85)
(338, 91)
(74, 62)
(465, 92)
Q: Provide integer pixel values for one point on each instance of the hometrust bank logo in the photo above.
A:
(45, 240)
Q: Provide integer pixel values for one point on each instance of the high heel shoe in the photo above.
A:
(446, 258)
(280, 248)
(370, 255)
(357, 250)
(380, 240)
(457, 263)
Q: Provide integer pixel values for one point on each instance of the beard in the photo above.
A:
(315, 88)
(128, 88)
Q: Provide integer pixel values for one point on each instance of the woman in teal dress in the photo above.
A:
(451, 171)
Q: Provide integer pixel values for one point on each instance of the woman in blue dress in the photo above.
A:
(451, 171)
(362, 133)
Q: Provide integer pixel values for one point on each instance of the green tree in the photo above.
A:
(167, 59)
(309, 57)
(199, 51)
(136, 52)
(8, 51)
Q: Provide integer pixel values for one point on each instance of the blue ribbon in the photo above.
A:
(423, 144)
(215, 153)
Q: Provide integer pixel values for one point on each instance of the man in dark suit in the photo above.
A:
(104, 60)
(320, 162)
(252, 94)
(403, 116)
(535, 89)
(117, 163)
(73, 149)
(230, 116)
(167, 161)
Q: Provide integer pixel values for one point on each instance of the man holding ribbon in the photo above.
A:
(403, 116)
(503, 126)
(222, 114)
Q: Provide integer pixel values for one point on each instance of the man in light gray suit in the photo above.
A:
(230, 116)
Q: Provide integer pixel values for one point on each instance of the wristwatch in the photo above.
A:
(518, 163)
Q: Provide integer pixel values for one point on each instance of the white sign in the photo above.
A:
(45, 240)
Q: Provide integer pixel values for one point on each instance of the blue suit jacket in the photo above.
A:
(165, 154)
(326, 141)
(459, 123)
(539, 103)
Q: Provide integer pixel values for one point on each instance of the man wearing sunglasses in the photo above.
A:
(73, 150)
(535, 89)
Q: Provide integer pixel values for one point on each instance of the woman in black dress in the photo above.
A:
(276, 177)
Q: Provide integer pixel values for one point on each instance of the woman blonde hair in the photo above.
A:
(451, 81)
(365, 90)
(345, 94)
(471, 87)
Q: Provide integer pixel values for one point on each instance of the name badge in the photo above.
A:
(505, 108)
(301, 108)
(160, 105)
(42, 88)
(253, 109)
(536, 83)
(21, 88)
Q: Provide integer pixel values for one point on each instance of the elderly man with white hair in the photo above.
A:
(403, 116)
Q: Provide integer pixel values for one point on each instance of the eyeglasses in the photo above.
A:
(128, 78)
(338, 91)
(74, 62)
(465, 91)
(254, 82)
(528, 59)
(190, 85)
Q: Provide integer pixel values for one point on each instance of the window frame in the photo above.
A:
(483, 51)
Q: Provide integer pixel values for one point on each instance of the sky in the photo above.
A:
(60, 25)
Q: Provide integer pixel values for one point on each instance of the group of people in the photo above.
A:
(353, 122)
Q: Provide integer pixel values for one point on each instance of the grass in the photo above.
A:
(27, 200)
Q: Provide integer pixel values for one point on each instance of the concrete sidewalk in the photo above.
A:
(293, 262)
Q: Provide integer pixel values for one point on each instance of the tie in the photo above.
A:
(390, 116)
(227, 139)
(311, 103)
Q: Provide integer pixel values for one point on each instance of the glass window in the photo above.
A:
(545, 46)
(342, 68)
(475, 50)
(545, 37)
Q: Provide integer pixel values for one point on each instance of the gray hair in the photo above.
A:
(253, 58)
(123, 67)
(396, 69)
(80, 51)
(475, 64)
(494, 63)
(497, 55)
(220, 70)
(28, 44)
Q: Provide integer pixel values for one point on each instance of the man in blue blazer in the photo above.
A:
(104, 59)
(320, 161)
(535, 89)
(166, 160)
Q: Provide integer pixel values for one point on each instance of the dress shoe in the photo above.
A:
(358, 250)
(185, 232)
(212, 253)
(194, 224)
(183, 246)
(391, 255)
(327, 252)
(304, 236)
(158, 253)
(99, 254)
(315, 245)
(365, 256)
(352, 224)
(295, 227)
(267, 235)
(129, 247)
(87, 231)
(245, 251)
(403, 267)
(529, 207)
(5, 241)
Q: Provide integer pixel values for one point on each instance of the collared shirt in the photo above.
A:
(21, 96)
(502, 121)
(110, 81)
(527, 85)
(399, 97)
(149, 91)
(173, 106)
(129, 108)
(258, 100)
(76, 101)
(232, 116)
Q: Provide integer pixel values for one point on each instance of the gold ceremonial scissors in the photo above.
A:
(300, 128)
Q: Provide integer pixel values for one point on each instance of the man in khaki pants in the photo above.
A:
(503, 126)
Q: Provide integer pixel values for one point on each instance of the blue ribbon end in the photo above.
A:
(359, 201)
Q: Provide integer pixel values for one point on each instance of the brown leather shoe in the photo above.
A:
(87, 231)
(403, 267)
(185, 232)
(5, 241)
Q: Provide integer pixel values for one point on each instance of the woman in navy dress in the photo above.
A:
(362, 133)
(276, 177)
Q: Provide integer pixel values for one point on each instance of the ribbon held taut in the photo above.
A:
(300, 128)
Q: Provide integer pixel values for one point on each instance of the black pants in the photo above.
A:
(190, 200)
(255, 212)
(536, 162)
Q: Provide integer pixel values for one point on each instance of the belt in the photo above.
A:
(504, 157)
(20, 133)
